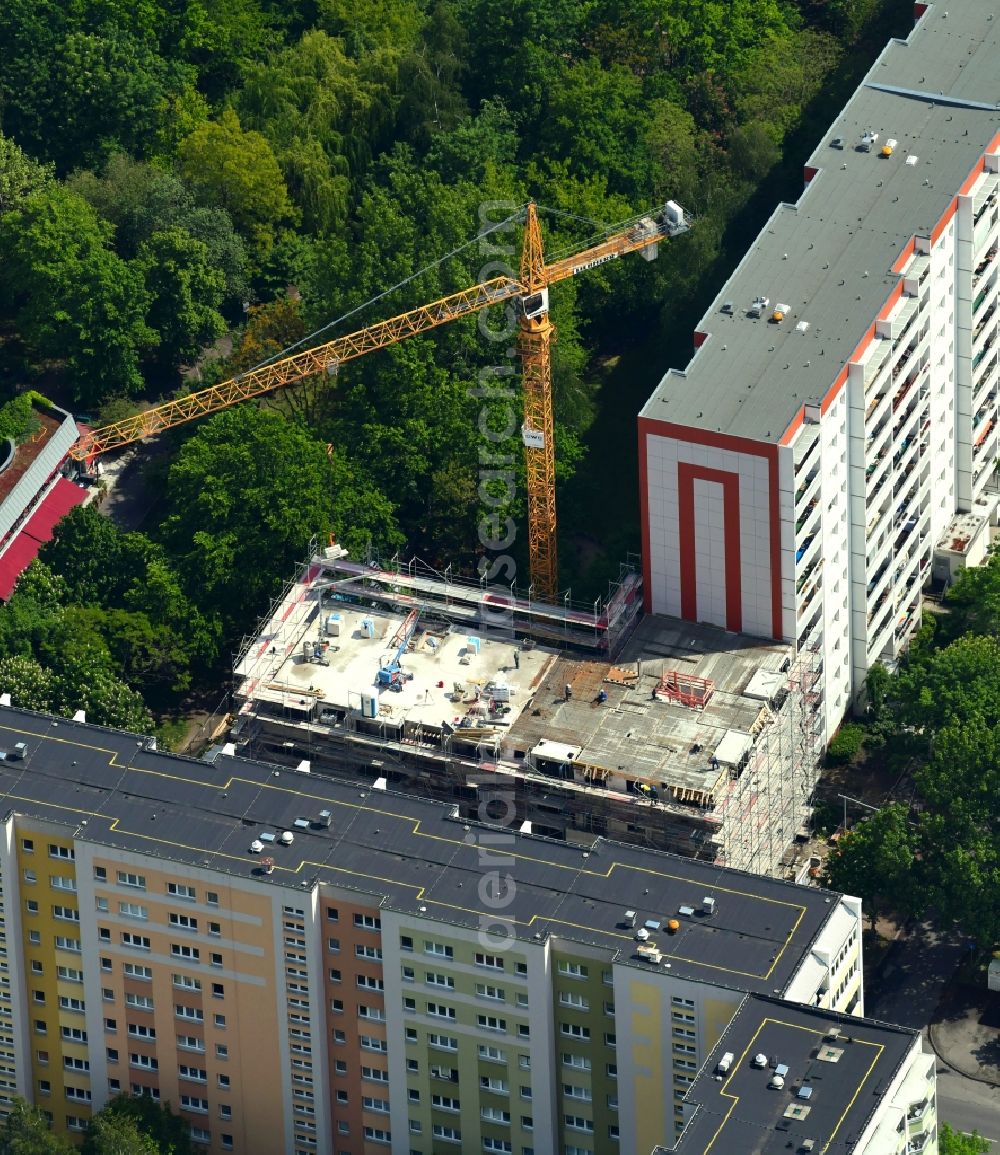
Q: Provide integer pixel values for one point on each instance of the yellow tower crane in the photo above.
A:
(530, 293)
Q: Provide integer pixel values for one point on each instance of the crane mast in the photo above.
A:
(530, 289)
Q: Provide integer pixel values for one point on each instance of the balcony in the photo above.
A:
(984, 264)
(807, 517)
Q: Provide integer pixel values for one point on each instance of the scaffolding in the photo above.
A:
(768, 804)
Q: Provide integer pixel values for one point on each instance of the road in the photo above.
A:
(908, 991)
(968, 1106)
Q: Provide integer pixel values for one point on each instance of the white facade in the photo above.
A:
(797, 475)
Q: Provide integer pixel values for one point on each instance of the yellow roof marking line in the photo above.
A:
(215, 786)
(737, 1067)
(840, 1122)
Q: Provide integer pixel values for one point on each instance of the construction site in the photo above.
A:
(568, 722)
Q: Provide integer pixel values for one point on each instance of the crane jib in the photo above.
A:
(595, 262)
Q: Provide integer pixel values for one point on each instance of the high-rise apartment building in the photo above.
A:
(301, 965)
(841, 405)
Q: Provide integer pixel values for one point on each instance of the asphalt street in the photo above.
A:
(967, 1105)
(907, 990)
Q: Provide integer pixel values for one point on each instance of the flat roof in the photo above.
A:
(846, 1079)
(657, 739)
(829, 257)
(405, 853)
(447, 667)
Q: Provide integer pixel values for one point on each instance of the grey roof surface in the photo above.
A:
(740, 1115)
(406, 852)
(829, 256)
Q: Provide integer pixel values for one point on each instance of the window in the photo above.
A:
(374, 1075)
(215, 929)
(31, 906)
(440, 1011)
(200, 1134)
(580, 1062)
(71, 1064)
(72, 1034)
(185, 983)
(578, 1123)
(378, 1135)
(221, 1051)
(574, 970)
(610, 1039)
(571, 1091)
(491, 1023)
(450, 1134)
(367, 922)
(35, 936)
(136, 941)
(219, 991)
(135, 880)
(112, 1054)
(436, 980)
(137, 971)
(194, 1103)
(184, 921)
(220, 1021)
(191, 1043)
(405, 942)
(140, 1002)
(61, 851)
(494, 1145)
(521, 968)
(192, 1074)
(141, 1031)
(373, 952)
(369, 982)
(449, 1074)
(446, 1103)
(211, 898)
(66, 913)
(28, 845)
(143, 1062)
(111, 1025)
(440, 949)
(195, 1013)
(224, 1081)
(493, 961)
(180, 890)
(216, 959)
(62, 882)
(488, 991)
(179, 950)
(69, 1004)
(573, 1000)
(101, 904)
(442, 1042)
(496, 1086)
(492, 1054)
(575, 1030)
(333, 945)
(80, 1094)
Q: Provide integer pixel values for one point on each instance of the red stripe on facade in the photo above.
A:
(687, 475)
(918, 10)
(699, 338)
(653, 427)
(809, 171)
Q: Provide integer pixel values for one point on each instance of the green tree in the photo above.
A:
(244, 497)
(26, 1131)
(110, 1133)
(20, 175)
(875, 861)
(73, 299)
(974, 600)
(126, 1117)
(237, 171)
(141, 199)
(185, 291)
(952, 1142)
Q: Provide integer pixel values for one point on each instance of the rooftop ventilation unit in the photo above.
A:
(758, 305)
(889, 147)
(833, 1034)
(802, 327)
(725, 1062)
(727, 308)
(286, 838)
(708, 905)
(868, 141)
(324, 818)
